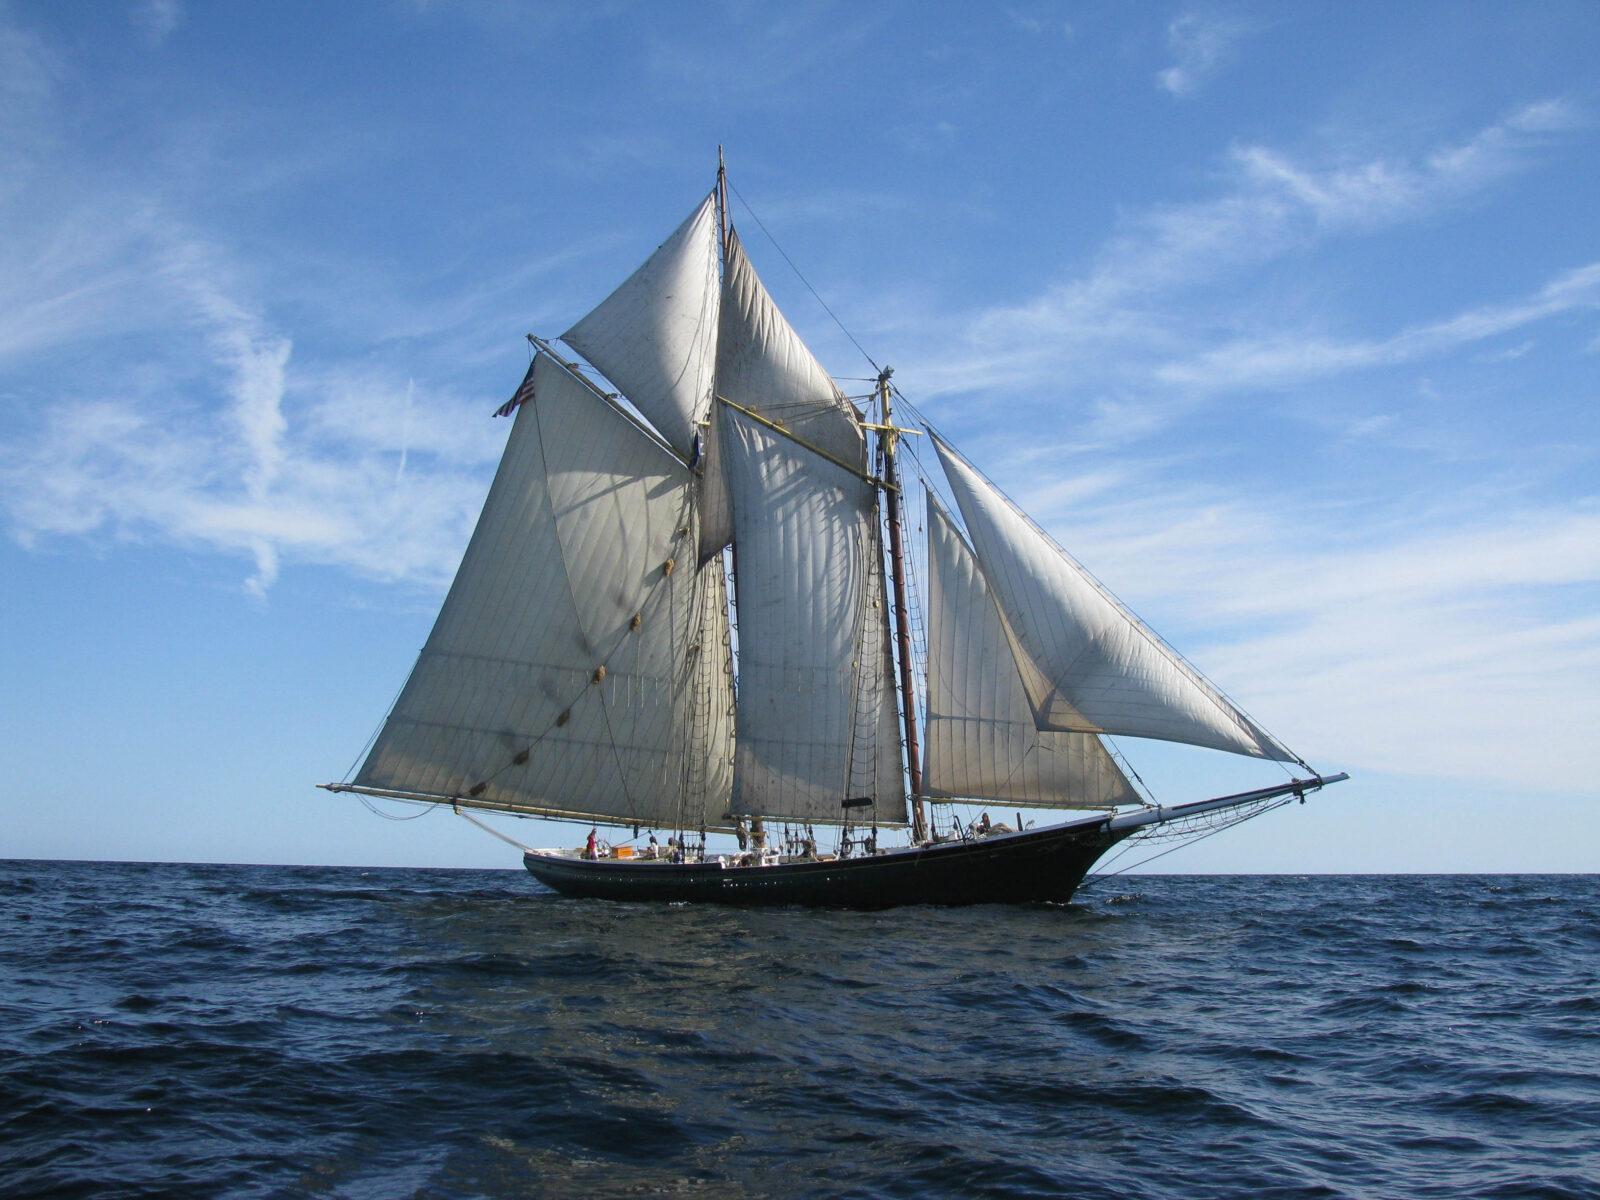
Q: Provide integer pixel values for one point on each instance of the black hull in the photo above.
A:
(1021, 868)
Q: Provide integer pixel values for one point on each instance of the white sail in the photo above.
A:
(877, 761)
(709, 777)
(981, 739)
(563, 673)
(1090, 665)
(763, 365)
(716, 506)
(803, 548)
(655, 337)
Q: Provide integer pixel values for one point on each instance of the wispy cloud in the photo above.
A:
(202, 427)
(1039, 23)
(1381, 190)
(136, 469)
(1128, 321)
(1202, 42)
(1288, 358)
(1342, 626)
(157, 19)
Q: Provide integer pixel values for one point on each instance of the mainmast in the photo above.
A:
(902, 609)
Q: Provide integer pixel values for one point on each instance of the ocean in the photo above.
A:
(307, 1031)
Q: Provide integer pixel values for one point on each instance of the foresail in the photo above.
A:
(981, 739)
(804, 543)
(763, 365)
(877, 761)
(710, 749)
(565, 673)
(655, 337)
(1090, 665)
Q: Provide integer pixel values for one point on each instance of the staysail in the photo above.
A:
(981, 739)
(577, 667)
(763, 365)
(804, 547)
(1090, 665)
(655, 337)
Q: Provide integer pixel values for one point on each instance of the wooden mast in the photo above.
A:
(902, 609)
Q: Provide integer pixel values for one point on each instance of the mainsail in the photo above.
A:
(981, 739)
(1089, 665)
(655, 337)
(578, 666)
(807, 573)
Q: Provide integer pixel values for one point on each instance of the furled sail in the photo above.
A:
(569, 671)
(1089, 665)
(763, 365)
(980, 734)
(655, 337)
(804, 545)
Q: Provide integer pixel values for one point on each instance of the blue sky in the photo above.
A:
(1284, 319)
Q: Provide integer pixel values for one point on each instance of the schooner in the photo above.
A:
(690, 606)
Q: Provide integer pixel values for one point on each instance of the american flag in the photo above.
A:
(524, 393)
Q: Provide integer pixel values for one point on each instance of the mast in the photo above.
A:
(902, 610)
(722, 201)
(758, 827)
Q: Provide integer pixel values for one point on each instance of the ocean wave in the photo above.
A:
(309, 1031)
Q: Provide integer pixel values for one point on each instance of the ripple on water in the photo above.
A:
(230, 1030)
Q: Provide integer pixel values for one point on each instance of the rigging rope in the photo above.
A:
(492, 831)
(425, 806)
(1250, 816)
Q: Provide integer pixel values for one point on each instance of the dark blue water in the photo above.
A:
(269, 1031)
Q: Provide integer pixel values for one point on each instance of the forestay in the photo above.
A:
(579, 664)
(804, 546)
(1090, 665)
(981, 738)
(655, 337)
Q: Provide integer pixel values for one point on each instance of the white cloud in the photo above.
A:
(1287, 358)
(1038, 23)
(1129, 324)
(1381, 190)
(137, 468)
(1449, 642)
(157, 19)
(1201, 43)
